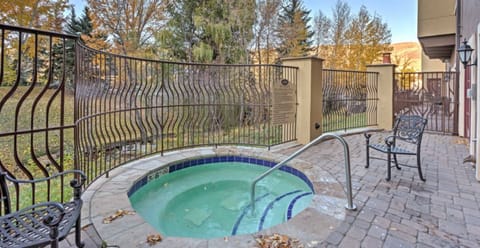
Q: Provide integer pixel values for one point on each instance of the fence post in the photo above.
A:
(309, 96)
(386, 76)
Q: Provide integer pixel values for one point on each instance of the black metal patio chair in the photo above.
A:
(41, 224)
(407, 130)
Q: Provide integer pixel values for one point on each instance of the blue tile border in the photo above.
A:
(175, 166)
(270, 206)
(292, 204)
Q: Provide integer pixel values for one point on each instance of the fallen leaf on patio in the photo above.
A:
(116, 215)
(277, 241)
(152, 239)
(461, 141)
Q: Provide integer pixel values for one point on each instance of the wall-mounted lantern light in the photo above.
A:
(464, 53)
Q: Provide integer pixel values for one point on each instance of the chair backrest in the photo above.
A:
(410, 128)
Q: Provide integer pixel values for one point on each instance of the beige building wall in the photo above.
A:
(436, 17)
(436, 20)
(431, 64)
(436, 28)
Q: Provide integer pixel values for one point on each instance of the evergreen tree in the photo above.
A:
(79, 26)
(83, 28)
(294, 34)
(178, 38)
(208, 30)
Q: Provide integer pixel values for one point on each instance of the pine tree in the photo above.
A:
(178, 38)
(79, 26)
(83, 28)
(295, 36)
(208, 31)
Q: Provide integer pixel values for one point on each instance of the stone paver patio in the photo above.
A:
(404, 212)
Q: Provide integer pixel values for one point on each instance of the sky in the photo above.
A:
(400, 15)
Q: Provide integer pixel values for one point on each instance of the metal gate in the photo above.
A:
(349, 99)
(433, 95)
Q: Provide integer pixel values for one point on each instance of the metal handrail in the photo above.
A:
(348, 182)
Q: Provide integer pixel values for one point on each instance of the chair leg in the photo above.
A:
(78, 233)
(53, 233)
(419, 168)
(54, 244)
(368, 157)
(389, 164)
(367, 151)
(396, 162)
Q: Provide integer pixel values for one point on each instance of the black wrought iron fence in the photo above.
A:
(349, 99)
(117, 108)
(432, 95)
(36, 112)
(129, 107)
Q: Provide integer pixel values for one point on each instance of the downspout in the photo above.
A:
(457, 65)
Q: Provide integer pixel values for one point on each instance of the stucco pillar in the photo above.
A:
(385, 94)
(309, 96)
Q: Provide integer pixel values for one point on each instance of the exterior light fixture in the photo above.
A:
(464, 53)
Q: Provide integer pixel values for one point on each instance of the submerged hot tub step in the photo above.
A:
(242, 226)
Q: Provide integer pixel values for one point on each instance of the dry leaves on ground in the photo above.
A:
(461, 141)
(277, 241)
(116, 215)
(152, 239)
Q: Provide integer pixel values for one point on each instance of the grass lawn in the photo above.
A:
(35, 107)
(335, 122)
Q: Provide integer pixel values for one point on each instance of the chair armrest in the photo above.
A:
(394, 138)
(76, 184)
(390, 140)
(367, 135)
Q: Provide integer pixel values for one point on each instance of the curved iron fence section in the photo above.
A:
(349, 99)
(36, 112)
(432, 95)
(128, 107)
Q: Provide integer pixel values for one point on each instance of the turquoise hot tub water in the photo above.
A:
(210, 197)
